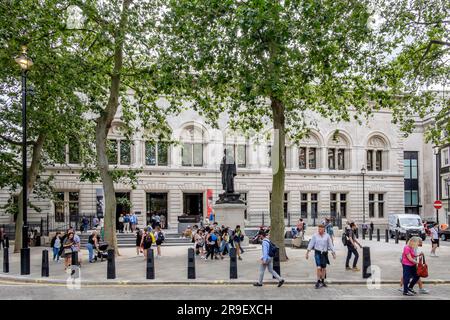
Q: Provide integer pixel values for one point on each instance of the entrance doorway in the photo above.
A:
(123, 205)
(193, 204)
(157, 204)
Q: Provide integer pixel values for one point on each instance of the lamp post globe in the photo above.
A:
(25, 64)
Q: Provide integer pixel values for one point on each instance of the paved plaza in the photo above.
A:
(172, 267)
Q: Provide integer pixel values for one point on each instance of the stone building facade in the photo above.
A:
(323, 173)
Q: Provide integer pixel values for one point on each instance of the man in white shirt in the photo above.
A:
(434, 239)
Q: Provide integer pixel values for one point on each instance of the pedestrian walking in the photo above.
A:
(68, 245)
(268, 252)
(147, 240)
(225, 242)
(139, 235)
(418, 253)
(159, 236)
(434, 239)
(126, 223)
(199, 239)
(237, 239)
(55, 244)
(85, 222)
(351, 244)
(211, 239)
(91, 245)
(321, 243)
(133, 222)
(95, 222)
(121, 223)
(409, 263)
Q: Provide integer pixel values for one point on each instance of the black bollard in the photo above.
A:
(45, 266)
(25, 261)
(150, 264)
(357, 233)
(276, 262)
(6, 260)
(6, 242)
(111, 268)
(364, 234)
(378, 235)
(233, 264)
(386, 235)
(396, 236)
(370, 234)
(74, 258)
(366, 262)
(191, 264)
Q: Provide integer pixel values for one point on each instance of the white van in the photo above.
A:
(406, 223)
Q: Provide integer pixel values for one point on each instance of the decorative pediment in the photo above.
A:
(377, 142)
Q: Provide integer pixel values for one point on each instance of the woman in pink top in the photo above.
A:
(409, 263)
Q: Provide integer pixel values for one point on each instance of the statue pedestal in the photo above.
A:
(231, 215)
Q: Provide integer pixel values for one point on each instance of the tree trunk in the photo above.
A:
(102, 129)
(32, 174)
(276, 205)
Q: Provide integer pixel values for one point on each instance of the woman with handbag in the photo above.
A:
(237, 239)
(68, 244)
(420, 272)
(409, 263)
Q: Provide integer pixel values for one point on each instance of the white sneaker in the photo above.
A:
(424, 291)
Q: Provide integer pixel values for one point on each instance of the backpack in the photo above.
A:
(272, 248)
(161, 236)
(344, 238)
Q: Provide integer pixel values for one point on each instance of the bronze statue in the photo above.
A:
(228, 169)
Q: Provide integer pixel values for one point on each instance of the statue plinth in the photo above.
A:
(230, 215)
(230, 198)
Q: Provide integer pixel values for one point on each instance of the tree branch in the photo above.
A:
(439, 42)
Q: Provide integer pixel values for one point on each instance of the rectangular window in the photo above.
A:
(198, 154)
(407, 168)
(378, 160)
(302, 158)
(73, 206)
(163, 153)
(312, 158)
(331, 159)
(125, 152)
(74, 152)
(304, 205)
(150, 154)
(186, 154)
(369, 160)
(380, 205)
(338, 204)
(413, 168)
(59, 207)
(112, 151)
(241, 155)
(414, 198)
(407, 197)
(341, 159)
(314, 205)
(371, 205)
(445, 157)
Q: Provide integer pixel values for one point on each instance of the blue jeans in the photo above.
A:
(224, 245)
(410, 277)
(90, 248)
(56, 254)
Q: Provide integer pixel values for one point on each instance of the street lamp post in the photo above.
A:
(25, 64)
(363, 173)
(437, 153)
(448, 196)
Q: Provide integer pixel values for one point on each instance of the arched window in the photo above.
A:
(338, 152)
(192, 146)
(376, 154)
(308, 152)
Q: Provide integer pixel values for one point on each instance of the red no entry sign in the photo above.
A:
(438, 204)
